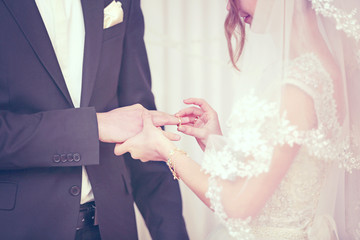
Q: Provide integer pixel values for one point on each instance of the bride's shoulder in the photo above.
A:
(319, 76)
(308, 70)
(314, 74)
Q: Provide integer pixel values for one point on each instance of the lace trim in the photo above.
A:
(255, 130)
(352, 160)
(237, 228)
(344, 21)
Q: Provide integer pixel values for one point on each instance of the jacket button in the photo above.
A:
(63, 158)
(76, 157)
(70, 157)
(56, 158)
(75, 190)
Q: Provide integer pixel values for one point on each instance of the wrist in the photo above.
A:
(100, 120)
(171, 161)
(165, 150)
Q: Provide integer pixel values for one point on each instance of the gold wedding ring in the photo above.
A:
(179, 118)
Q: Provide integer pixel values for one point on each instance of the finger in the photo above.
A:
(147, 119)
(188, 124)
(189, 121)
(171, 136)
(193, 119)
(199, 102)
(121, 148)
(186, 120)
(192, 131)
(161, 118)
(135, 156)
(190, 111)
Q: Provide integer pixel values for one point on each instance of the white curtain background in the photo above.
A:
(188, 58)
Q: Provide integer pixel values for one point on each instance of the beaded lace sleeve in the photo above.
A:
(255, 127)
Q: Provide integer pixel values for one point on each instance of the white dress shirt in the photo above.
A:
(64, 23)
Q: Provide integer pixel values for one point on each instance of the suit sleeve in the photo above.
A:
(156, 193)
(58, 138)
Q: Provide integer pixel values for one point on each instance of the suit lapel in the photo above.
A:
(27, 16)
(93, 11)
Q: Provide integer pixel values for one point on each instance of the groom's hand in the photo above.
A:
(160, 119)
(120, 124)
(150, 144)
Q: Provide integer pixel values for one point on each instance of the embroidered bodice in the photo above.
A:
(290, 212)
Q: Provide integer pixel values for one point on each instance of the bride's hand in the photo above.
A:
(152, 143)
(202, 121)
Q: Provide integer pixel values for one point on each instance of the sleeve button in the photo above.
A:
(76, 157)
(63, 158)
(70, 157)
(56, 158)
(75, 190)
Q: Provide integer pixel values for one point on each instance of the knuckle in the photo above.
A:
(133, 155)
(139, 106)
(117, 151)
(189, 130)
(204, 135)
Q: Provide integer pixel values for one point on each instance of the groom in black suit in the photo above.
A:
(49, 144)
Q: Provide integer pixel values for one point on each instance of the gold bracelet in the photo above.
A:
(171, 163)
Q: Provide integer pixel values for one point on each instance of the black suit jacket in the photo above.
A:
(44, 140)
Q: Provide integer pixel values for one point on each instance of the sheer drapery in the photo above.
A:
(188, 58)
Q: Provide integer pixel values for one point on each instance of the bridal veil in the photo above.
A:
(300, 86)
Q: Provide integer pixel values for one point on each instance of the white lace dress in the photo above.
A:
(291, 211)
(255, 129)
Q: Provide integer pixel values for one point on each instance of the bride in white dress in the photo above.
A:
(277, 171)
